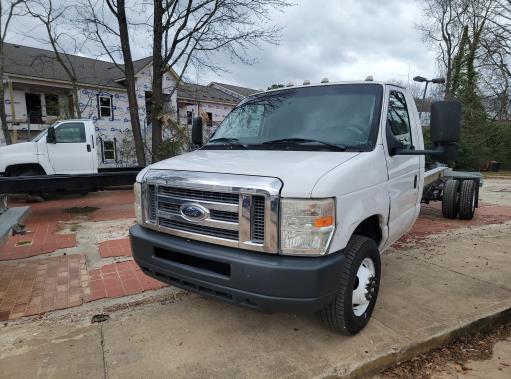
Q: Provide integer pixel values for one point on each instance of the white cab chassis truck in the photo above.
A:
(63, 158)
(290, 203)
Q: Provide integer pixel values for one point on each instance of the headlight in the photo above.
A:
(307, 226)
(137, 191)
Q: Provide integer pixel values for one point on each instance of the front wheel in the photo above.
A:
(357, 291)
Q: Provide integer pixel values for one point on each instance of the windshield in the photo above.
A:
(344, 115)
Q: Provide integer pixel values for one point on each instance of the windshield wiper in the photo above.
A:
(298, 141)
(226, 141)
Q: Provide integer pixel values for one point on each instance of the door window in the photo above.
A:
(398, 119)
(71, 132)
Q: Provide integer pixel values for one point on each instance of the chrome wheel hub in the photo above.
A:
(364, 288)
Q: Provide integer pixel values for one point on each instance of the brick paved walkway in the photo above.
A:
(38, 286)
(119, 279)
(41, 238)
(115, 248)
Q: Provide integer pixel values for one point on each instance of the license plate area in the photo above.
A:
(203, 264)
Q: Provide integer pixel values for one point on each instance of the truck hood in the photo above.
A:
(25, 152)
(298, 170)
(18, 148)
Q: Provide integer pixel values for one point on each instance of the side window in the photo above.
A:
(105, 106)
(398, 118)
(109, 151)
(70, 132)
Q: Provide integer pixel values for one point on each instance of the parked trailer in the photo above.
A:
(79, 183)
(12, 218)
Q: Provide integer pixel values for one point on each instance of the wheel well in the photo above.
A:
(15, 169)
(370, 228)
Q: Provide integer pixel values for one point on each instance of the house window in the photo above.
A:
(210, 119)
(109, 151)
(52, 105)
(105, 106)
(189, 117)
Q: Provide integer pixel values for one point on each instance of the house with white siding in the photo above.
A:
(38, 92)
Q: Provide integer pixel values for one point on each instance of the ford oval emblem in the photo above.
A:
(194, 212)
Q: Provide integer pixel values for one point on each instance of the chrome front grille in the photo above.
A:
(238, 211)
(257, 219)
(223, 211)
(199, 229)
(186, 193)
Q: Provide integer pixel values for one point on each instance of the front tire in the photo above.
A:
(357, 291)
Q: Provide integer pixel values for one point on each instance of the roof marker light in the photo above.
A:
(369, 78)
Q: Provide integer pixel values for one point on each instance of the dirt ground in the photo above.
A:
(484, 355)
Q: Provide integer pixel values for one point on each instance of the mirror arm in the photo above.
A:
(436, 152)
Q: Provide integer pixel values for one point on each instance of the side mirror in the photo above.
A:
(445, 133)
(197, 131)
(445, 122)
(445, 128)
(50, 136)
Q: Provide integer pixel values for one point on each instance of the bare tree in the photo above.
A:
(52, 15)
(192, 32)
(102, 31)
(6, 13)
(469, 36)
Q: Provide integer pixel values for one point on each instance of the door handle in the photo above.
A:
(415, 182)
(88, 148)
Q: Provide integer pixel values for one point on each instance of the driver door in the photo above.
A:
(403, 170)
(72, 152)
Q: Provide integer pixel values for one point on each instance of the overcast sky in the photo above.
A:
(338, 39)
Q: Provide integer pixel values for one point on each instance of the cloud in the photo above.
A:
(341, 40)
(338, 39)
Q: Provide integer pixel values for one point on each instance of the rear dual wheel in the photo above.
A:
(459, 199)
(450, 199)
(467, 200)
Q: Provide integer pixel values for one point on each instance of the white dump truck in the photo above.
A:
(290, 203)
(63, 158)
